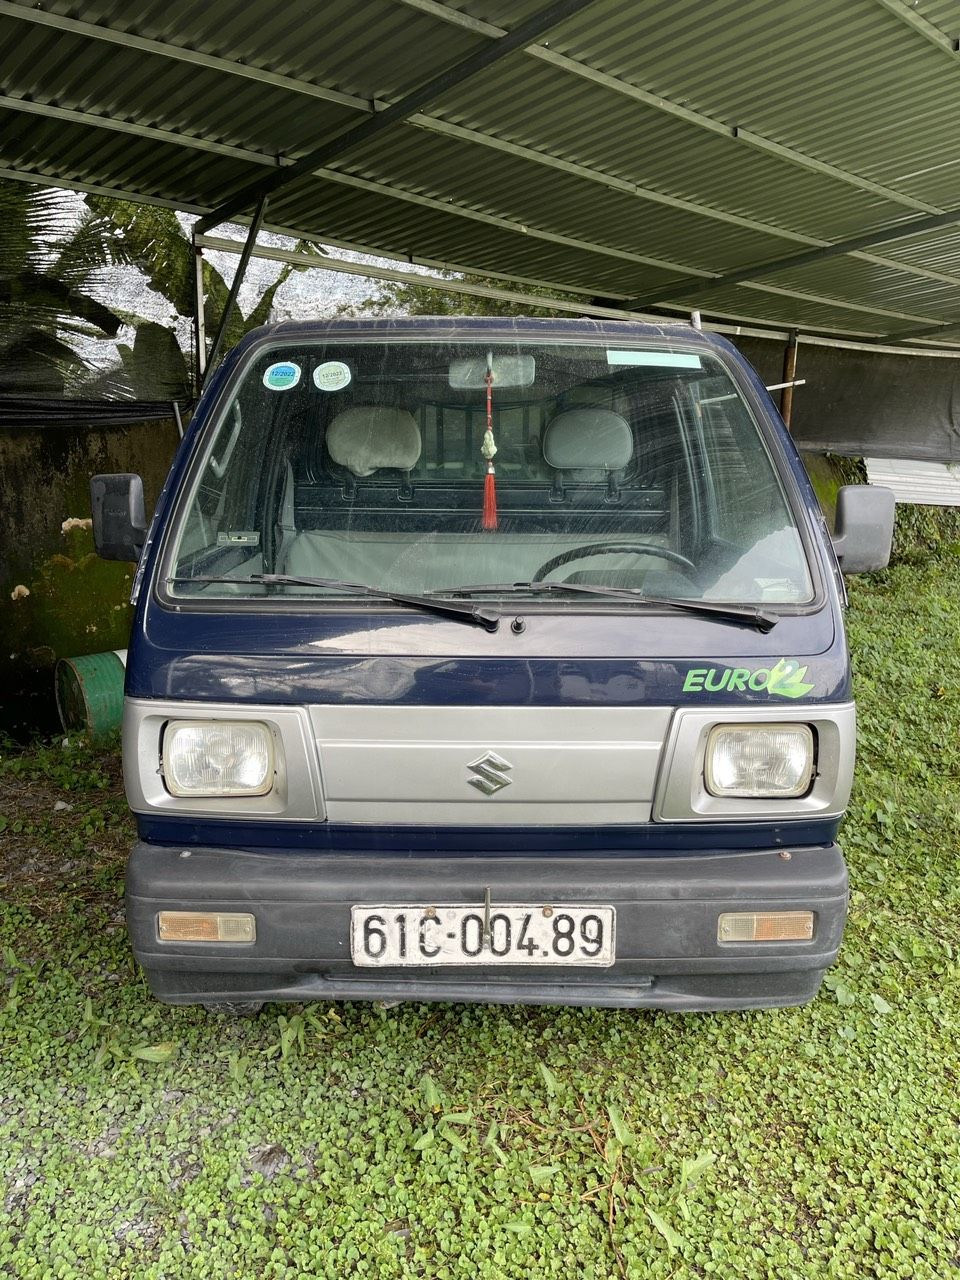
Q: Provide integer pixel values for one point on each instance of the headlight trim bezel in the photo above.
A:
(297, 793)
(682, 798)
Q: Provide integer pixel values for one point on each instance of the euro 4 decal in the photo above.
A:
(785, 680)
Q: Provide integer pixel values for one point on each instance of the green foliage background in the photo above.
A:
(503, 1143)
(52, 268)
(394, 297)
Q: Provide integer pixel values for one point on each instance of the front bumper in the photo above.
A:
(668, 956)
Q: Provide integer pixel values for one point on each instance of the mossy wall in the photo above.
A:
(825, 476)
(57, 598)
(918, 532)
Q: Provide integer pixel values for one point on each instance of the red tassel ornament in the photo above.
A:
(488, 449)
(490, 498)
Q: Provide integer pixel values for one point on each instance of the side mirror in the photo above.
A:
(119, 521)
(863, 533)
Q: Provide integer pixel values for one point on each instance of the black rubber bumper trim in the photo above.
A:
(668, 955)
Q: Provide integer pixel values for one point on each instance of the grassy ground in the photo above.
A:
(436, 1141)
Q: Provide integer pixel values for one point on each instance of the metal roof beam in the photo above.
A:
(683, 306)
(294, 233)
(656, 197)
(261, 75)
(922, 25)
(89, 119)
(402, 109)
(825, 300)
(185, 140)
(746, 136)
(94, 31)
(409, 277)
(902, 230)
(658, 103)
(757, 329)
(463, 134)
(152, 132)
(738, 326)
(455, 17)
(483, 291)
(927, 332)
(98, 189)
(504, 224)
(443, 207)
(760, 143)
(763, 327)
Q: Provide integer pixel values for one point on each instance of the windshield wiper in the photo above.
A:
(754, 617)
(487, 618)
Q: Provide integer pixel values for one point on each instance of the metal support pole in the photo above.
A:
(248, 246)
(199, 328)
(789, 377)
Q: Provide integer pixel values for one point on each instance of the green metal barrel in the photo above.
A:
(90, 692)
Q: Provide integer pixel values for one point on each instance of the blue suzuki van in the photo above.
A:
(495, 660)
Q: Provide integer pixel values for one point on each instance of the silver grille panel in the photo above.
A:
(490, 766)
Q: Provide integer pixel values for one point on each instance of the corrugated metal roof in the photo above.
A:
(628, 153)
(928, 484)
(943, 14)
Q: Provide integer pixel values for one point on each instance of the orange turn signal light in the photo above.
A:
(206, 926)
(765, 926)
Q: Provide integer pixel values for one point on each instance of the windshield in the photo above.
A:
(426, 467)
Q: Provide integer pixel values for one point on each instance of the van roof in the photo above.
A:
(455, 326)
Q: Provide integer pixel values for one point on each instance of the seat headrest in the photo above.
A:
(367, 437)
(584, 439)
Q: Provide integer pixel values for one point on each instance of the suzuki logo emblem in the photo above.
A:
(491, 771)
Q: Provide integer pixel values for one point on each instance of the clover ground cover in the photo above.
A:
(467, 1141)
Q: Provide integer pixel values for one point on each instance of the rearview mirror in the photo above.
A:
(119, 521)
(863, 530)
(508, 371)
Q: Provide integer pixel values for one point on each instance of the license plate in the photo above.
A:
(515, 935)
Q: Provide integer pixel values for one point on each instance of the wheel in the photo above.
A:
(602, 548)
(234, 1008)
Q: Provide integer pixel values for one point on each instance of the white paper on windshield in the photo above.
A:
(656, 359)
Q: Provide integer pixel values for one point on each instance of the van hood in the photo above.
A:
(560, 658)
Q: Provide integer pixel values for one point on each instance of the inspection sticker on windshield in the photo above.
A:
(332, 375)
(238, 538)
(282, 376)
(656, 359)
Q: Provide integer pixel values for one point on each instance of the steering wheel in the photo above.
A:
(602, 548)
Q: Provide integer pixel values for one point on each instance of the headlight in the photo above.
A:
(770, 760)
(218, 758)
